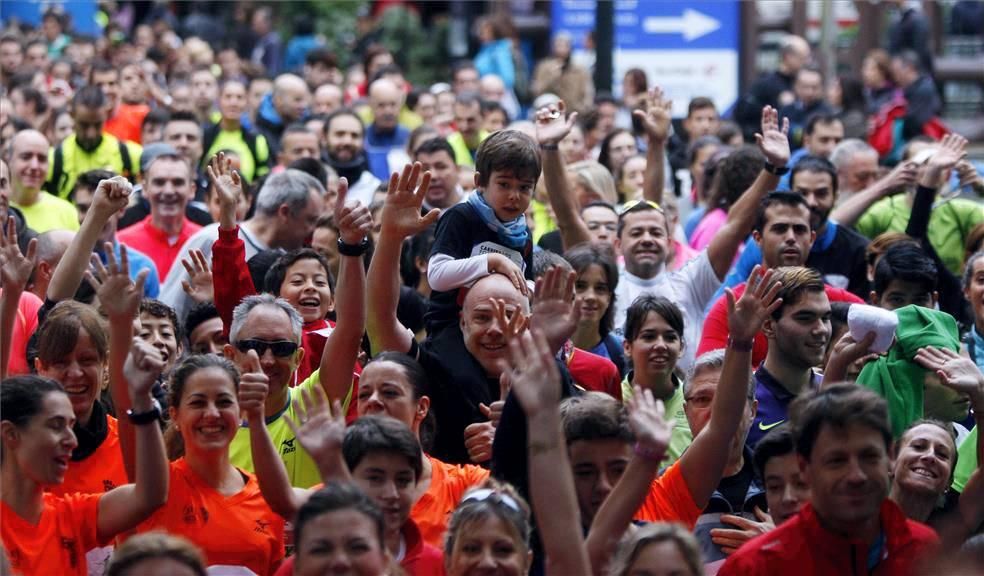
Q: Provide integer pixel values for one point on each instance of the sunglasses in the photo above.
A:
(280, 348)
(640, 205)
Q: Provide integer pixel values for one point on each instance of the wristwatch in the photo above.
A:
(142, 418)
(353, 249)
(777, 170)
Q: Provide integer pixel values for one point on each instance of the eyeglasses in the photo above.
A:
(280, 348)
(641, 205)
(483, 494)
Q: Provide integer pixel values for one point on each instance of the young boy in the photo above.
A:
(488, 233)
(160, 327)
(775, 459)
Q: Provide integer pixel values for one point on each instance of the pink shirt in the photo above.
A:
(707, 228)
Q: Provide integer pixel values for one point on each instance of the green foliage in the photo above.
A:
(335, 20)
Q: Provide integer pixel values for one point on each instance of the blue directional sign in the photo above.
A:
(81, 12)
(688, 48)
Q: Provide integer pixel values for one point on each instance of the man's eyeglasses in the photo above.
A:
(280, 348)
(632, 205)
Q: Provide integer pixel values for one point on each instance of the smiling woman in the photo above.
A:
(925, 456)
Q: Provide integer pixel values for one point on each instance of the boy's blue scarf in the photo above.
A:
(514, 234)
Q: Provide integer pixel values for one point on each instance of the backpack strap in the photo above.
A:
(57, 171)
(125, 157)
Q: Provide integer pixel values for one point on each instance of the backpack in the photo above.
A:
(58, 167)
(248, 136)
(886, 131)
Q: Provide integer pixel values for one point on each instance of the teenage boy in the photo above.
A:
(785, 488)
(850, 526)
(904, 275)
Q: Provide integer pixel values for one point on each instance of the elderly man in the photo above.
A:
(385, 133)
(286, 104)
(27, 156)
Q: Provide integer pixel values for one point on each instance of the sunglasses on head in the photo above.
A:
(633, 205)
(280, 348)
(483, 494)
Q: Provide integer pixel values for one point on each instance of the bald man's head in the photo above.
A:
(795, 53)
(28, 159)
(291, 97)
(482, 333)
(385, 100)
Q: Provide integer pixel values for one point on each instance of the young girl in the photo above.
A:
(597, 277)
(48, 534)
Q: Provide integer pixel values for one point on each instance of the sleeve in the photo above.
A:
(751, 255)
(84, 512)
(715, 333)
(702, 281)
(445, 273)
(669, 500)
(868, 224)
(231, 279)
(453, 235)
(152, 284)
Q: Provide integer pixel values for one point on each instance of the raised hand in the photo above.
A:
(746, 316)
(657, 116)
(143, 366)
(111, 196)
(731, 540)
(320, 426)
(901, 177)
(228, 187)
(512, 326)
(774, 141)
(554, 312)
(533, 373)
(401, 211)
(952, 149)
(552, 124)
(969, 176)
(955, 371)
(199, 286)
(354, 220)
(253, 388)
(647, 417)
(847, 351)
(15, 267)
(118, 295)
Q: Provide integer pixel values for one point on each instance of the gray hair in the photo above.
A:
(847, 150)
(291, 187)
(714, 360)
(247, 305)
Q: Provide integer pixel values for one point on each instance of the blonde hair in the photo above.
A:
(153, 545)
(630, 547)
(595, 177)
(499, 504)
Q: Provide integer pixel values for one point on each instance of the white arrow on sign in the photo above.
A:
(692, 25)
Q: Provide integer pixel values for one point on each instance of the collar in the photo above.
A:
(161, 236)
(776, 388)
(894, 530)
(639, 281)
(92, 436)
(822, 243)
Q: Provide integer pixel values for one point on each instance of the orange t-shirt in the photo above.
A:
(126, 124)
(58, 543)
(102, 471)
(448, 484)
(236, 531)
(669, 500)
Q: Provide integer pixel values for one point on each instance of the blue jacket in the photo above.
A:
(496, 58)
(378, 147)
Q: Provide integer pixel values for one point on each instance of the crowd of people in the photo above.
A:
(263, 312)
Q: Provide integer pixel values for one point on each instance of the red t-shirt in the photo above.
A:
(233, 531)
(57, 544)
(154, 242)
(24, 325)
(715, 333)
(102, 471)
(593, 372)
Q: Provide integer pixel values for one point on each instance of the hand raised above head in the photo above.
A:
(657, 117)
(760, 299)
(111, 196)
(15, 267)
(552, 124)
(773, 141)
(401, 211)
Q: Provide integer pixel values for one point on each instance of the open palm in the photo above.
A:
(401, 212)
(774, 141)
(746, 316)
(657, 116)
(15, 267)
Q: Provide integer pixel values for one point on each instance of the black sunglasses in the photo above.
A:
(280, 348)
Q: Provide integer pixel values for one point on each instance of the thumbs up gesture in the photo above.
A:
(253, 388)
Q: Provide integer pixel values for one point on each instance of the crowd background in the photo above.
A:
(411, 288)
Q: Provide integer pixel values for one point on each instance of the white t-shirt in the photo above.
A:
(691, 288)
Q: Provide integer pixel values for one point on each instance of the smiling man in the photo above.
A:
(168, 186)
(437, 156)
(27, 155)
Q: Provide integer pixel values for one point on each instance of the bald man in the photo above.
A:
(773, 88)
(287, 103)
(51, 247)
(27, 156)
(385, 134)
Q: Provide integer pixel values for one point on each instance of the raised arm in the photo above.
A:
(232, 281)
(110, 197)
(551, 127)
(774, 144)
(850, 211)
(400, 219)
(15, 270)
(342, 349)
(536, 384)
(122, 508)
(652, 432)
(655, 119)
(271, 474)
(703, 463)
(120, 298)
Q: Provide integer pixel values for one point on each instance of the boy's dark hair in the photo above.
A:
(90, 96)
(158, 309)
(594, 416)
(824, 118)
(100, 66)
(342, 112)
(795, 281)
(322, 56)
(906, 262)
(735, 175)
(156, 116)
(278, 272)
(508, 151)
(816, 165)
(700, 103)
(838, 406)
(544, 260)
(778, 442)
(260, 264)
(418, 246)
(183, 116)
(90, 179)
(371, 434)
(434, 145)
(338, 496)
(489, 106)
(636, 316)
(200, 313)
(312, 166)
(777, 198)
